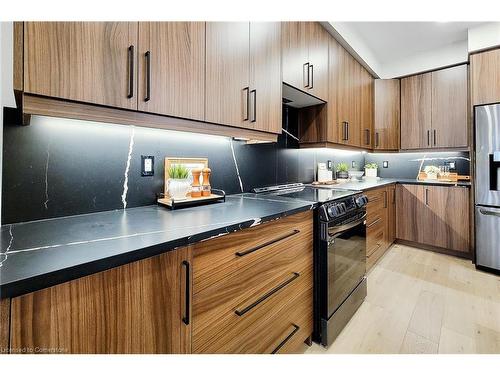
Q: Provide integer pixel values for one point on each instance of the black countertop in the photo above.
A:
(39, 254)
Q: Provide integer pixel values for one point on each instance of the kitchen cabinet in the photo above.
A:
(367, 108)
(91, 62)
(485, 77)
(436, 216)
(253, 289)
(305, 57)
(243, 79)
(434, 109)
(379, 221)
(449, 107)
(391, 213)
(141, 307)
(387, 114)
(416, 103)
(171, 58)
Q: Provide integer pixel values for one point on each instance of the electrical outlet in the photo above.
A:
(329, 165)
(385, 164)
(147, 165)
(353, 164)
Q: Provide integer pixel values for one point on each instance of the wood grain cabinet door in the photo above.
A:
(485, 77)
(416, 111)
(391, 214)
(449, 107)
(447, 223)
(367, 93)
(387, 114)
(172, 68)
(317, 41)
(265, 76)
(92, 62)
(227, 92)
(411, 213)
(141, 307)
(295, 54)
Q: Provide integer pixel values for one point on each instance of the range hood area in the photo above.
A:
(296, 98)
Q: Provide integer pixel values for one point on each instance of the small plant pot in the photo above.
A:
(178, 188)
(370, 172)
(342, 174)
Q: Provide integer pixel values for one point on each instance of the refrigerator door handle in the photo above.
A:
(489, 212)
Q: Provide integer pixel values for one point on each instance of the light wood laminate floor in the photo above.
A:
(423, 302)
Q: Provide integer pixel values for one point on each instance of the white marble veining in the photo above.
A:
(5, 254)
(47, 178)
(289, 134)
(236, 164)
(127, 168)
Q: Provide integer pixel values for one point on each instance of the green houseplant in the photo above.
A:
(371, 169)
(432, 172)
(342, 170)
(178, 182)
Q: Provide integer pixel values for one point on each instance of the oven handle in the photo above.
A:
(336, 231)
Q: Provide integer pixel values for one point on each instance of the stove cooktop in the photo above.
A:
(313, 194)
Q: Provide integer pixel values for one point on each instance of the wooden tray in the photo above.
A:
(452, 177)
(190, 201)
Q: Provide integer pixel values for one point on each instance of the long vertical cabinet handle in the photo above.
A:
(247, 105)
(311, 76)
(426, 196)
(434, 137)
(305, 73)
(428, 137)
(344, 130)
(368, 137)
(347, 133)
(130, 72)
(148, 76)
(187, 314)
(254, 117)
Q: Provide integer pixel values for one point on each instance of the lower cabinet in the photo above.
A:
(436, 216)
(141, 307)
(253, 289)
(379, 223)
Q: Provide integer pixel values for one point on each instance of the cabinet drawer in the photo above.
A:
(375, 236)
(377, 203)
(266, 248)
(376, 254)
(269, 326)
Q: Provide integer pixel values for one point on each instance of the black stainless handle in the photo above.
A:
(376, 139)
(428, 137)
(367, 138)
(385, 199)
(281, 238)
(347, 127)
(305, 73)
(344, 131)
(311, 76)
(254, 118)
(148, 76)
(267, 295)
(130, 72)
(295, 330)
(375, 222)
(434, 137)
(393, 196)
(247, 90)
(187, 313)
(337, 230)
(426, 197)
(489, 213)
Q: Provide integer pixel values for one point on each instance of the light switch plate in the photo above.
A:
(147, 165)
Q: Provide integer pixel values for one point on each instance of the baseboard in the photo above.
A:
(436, 249)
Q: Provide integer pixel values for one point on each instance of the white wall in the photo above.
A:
(6, 89)
(484, 36)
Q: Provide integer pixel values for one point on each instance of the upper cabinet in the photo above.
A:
(171, 59)
(387, 114)
(485, 77)
(243, 75)
(449, 107)
(434, 109)
(92, 62)
(305, 57)
(416, 103)
(367, 107)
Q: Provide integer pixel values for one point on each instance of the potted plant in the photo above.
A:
(371, 169)
(178, 182)
(342, 170)
(432, 172)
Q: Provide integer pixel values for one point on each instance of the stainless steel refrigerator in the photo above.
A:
(487, 124)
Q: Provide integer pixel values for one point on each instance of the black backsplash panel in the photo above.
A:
(407, 165)
(59, 167)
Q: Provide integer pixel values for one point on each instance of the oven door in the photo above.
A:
(346, 260)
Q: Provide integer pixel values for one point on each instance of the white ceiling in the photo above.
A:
(396, 40)
(391, 49)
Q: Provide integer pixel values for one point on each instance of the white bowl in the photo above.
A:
(356, 174)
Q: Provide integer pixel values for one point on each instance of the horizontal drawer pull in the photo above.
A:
(253, 249)
(295, 330)
(267, 295)
(375, 222)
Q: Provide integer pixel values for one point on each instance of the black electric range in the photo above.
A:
(339, 254)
